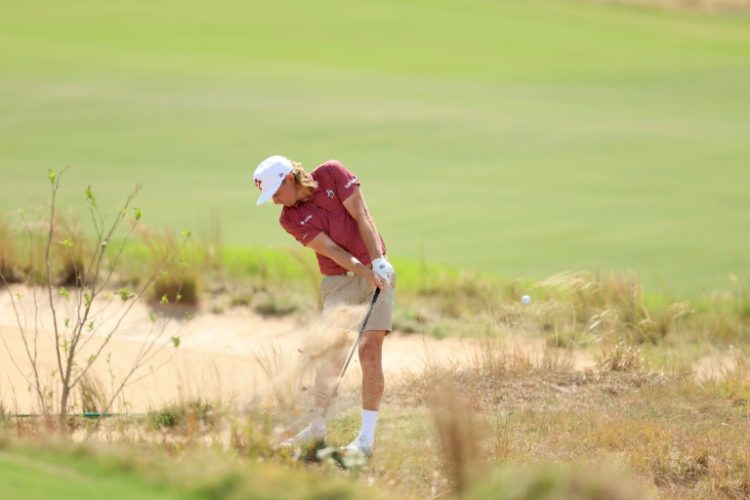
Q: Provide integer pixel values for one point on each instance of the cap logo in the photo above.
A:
(259, 183)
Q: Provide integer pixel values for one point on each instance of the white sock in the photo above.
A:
(369, 420)
(318, 423)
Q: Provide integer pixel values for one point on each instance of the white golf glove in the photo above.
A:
(384, 269)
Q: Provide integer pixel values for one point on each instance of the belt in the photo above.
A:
(348, 273)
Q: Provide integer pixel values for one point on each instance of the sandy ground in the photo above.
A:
(235, 357)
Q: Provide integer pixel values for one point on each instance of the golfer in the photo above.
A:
(325, 210)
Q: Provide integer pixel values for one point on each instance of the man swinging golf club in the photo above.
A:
(326, 211)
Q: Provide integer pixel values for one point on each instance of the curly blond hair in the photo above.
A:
(302, 178)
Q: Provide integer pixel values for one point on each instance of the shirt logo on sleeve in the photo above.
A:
(305, 221)
(351, 183)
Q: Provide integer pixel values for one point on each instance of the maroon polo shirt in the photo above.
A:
(325, 213)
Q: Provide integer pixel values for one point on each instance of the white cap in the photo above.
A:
(269, 175)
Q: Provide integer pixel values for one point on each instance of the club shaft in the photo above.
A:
(361, 332)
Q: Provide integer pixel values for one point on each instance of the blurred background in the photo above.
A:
(515, 138)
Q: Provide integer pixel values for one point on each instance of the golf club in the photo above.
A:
(356, 341)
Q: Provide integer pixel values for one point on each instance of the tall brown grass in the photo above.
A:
(10, 265)
(177, 281)
(458, 433)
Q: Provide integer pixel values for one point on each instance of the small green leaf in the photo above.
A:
(175, 342)
(92, 358)
(90, 326)
(65, 243)
(138, 213)
(189, 315)
(52, 176)
(164, 299)
(124, 293)
(90, 198)
(87, 299)
(179, 297)
(152, 317)
(66, 322)
(63, 292)
(186, 233)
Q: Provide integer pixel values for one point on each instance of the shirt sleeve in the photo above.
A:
(344, 181)
(302, 230)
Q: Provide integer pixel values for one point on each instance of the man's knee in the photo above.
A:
(371, 347)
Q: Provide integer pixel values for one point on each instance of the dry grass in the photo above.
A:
(458, 435)
(10, 265)
(509, 423)
(683, 438)
(92, 394)
(177, 280)
(522, 408)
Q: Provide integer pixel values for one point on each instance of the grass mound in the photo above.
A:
(548, 482)
(57, 469)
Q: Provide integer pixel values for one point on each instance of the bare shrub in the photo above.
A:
(74, 321)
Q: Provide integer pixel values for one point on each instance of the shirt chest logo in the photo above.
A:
(330, 193)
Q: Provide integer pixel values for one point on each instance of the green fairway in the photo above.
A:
(521, 138)
(51, 476)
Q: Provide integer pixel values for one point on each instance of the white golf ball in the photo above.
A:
(526, 299)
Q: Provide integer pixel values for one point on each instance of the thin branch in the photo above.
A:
(55, 187)
(36, 303)
(80, 324)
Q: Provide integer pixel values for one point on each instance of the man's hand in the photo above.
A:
(383, 270)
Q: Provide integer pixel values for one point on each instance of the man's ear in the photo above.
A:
(289, 177)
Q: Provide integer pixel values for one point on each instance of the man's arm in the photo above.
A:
(355, 205)
(324, 245)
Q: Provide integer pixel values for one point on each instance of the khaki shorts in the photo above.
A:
(354, 291)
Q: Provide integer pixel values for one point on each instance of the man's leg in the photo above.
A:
(370, 358)
(324, 385)
(326, 375)
(373, 383)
